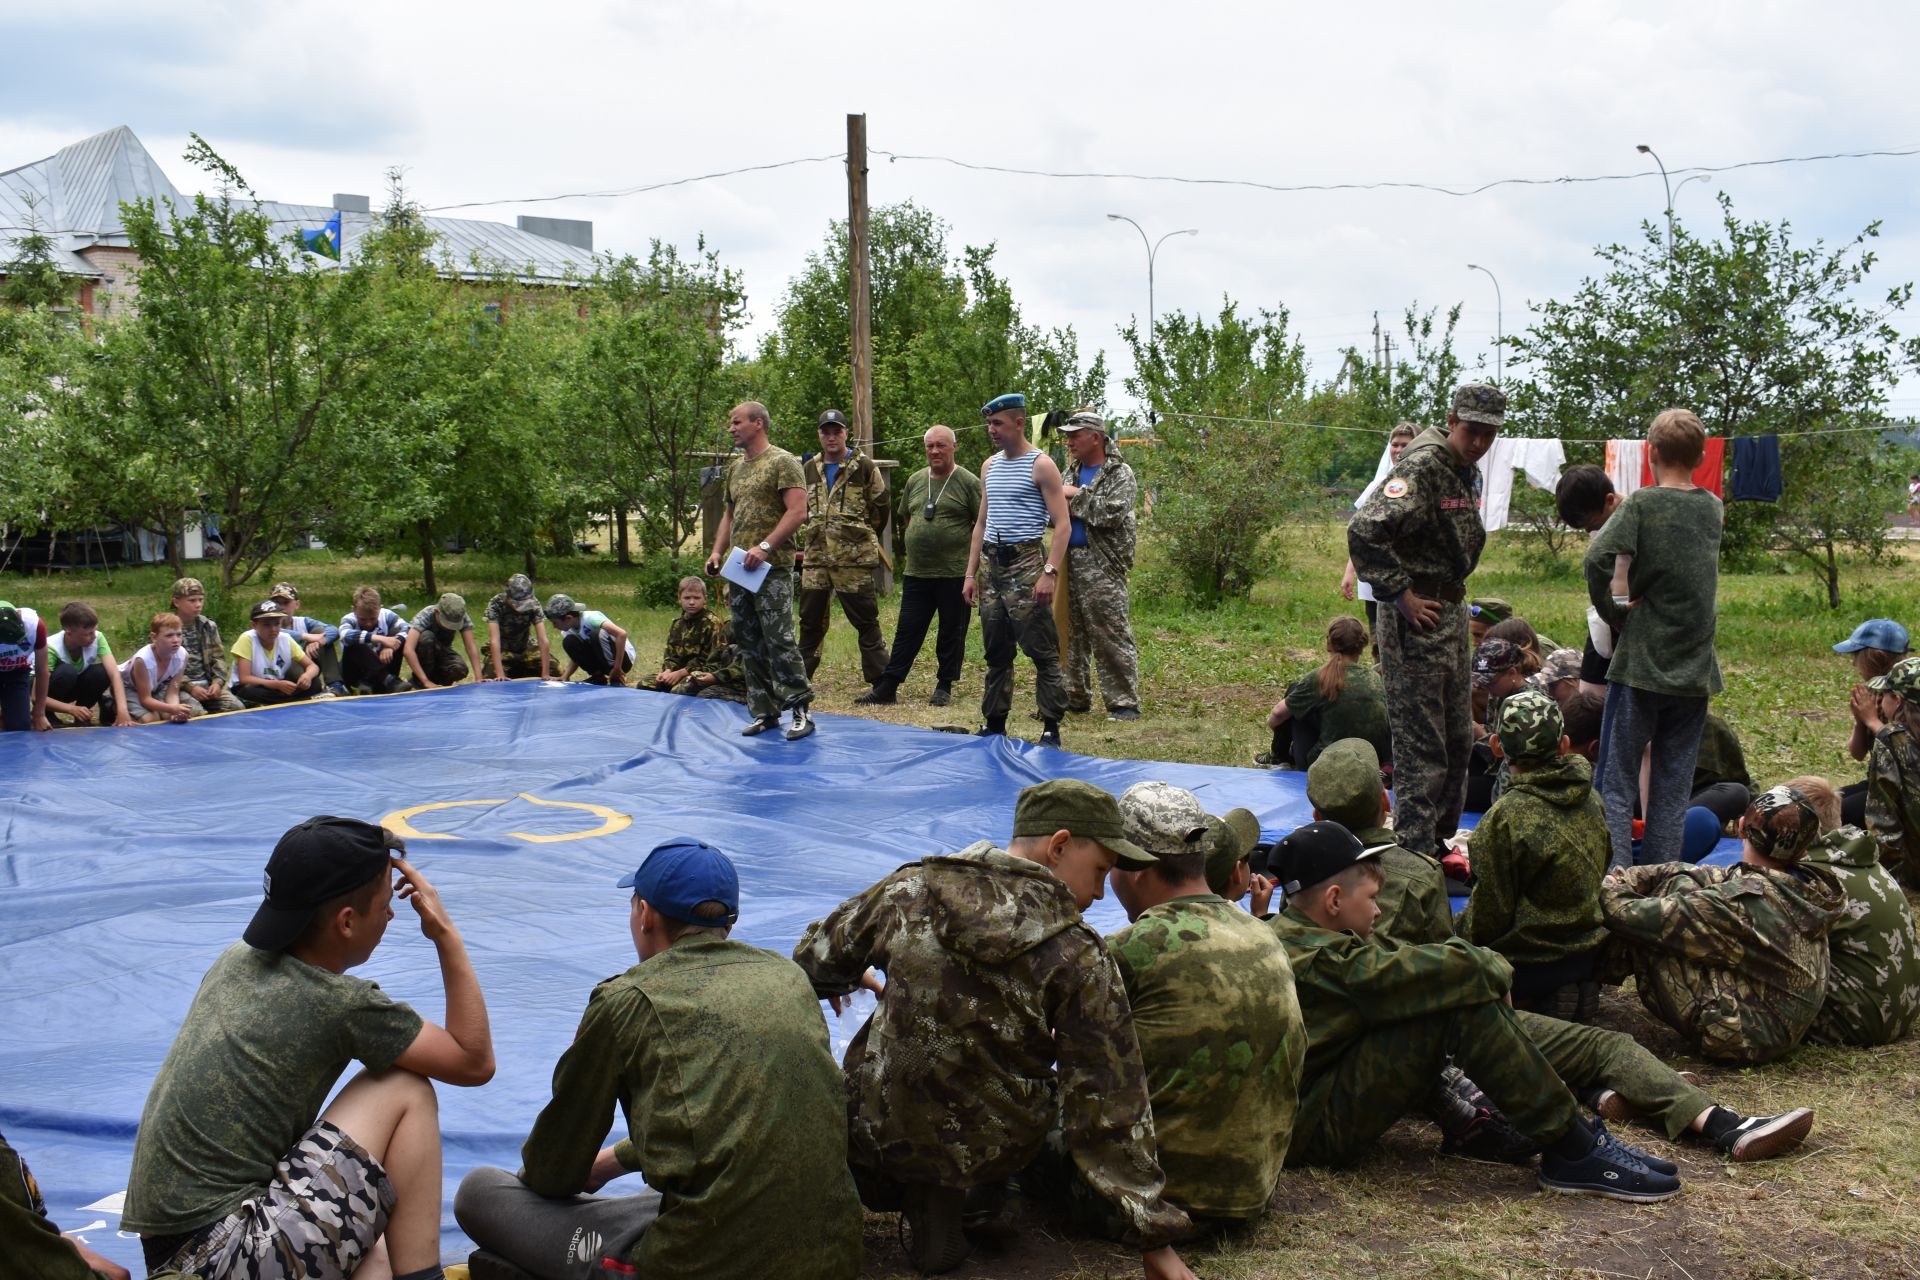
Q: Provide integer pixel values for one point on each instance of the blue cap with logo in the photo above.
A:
(682, 874)
(1876, 633)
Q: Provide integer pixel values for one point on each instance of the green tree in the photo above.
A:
(32, 278)
(1757, 335)
(1221, 484)
(50, 463)
(1366, 397)
(947, 336)
(651, 385)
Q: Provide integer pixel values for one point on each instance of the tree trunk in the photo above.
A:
(176, 548)
(620, 523)
(1833, 579)
(529, 569)
(426, 556)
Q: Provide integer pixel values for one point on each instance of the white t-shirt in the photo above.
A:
(19, 657)
(156, 679)
(279, 665)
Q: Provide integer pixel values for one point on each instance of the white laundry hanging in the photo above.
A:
(1625, 459)
(1541, 460)
(1380, 471)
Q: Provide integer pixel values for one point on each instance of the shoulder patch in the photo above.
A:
(1394, 488)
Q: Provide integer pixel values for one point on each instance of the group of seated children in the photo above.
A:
(70, 677)
(1151, 1085)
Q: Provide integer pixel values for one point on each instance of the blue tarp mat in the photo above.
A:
(132, 858)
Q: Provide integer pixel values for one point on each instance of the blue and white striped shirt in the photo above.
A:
(1015, 510)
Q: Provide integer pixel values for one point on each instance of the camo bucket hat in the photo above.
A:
(1530, 726)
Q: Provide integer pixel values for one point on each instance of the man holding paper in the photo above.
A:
(765, 501)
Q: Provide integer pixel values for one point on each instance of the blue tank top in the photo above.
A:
(1015, 510)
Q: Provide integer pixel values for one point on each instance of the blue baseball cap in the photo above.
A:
(1000, 404)
(683, 873)
(1875, 633)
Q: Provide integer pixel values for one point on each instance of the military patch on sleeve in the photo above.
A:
(1394, 488)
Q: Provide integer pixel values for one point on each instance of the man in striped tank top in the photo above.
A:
(1022, 495)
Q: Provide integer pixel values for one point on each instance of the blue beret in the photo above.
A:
(1000, 404)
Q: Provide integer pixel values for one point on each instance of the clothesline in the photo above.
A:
(1328, 426)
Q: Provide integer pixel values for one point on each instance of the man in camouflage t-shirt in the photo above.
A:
(765, 503)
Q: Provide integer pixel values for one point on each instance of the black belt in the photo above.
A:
(1453, 592)
(1004, 553)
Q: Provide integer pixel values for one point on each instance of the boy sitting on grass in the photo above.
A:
(206, 674)
(594, 642)
(699, 658)
(1889, 709)
(265, 656)
(428, 647)
(517, 633)
(238, 1174)
(1733, 958)
(156, 672)
(1538, 856)
(84, 681)
(1344, 786)
(371, 640)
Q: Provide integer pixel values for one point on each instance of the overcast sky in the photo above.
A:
(488, 101)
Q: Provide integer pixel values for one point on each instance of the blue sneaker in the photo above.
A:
(1608, 1169)
(1646, 1158)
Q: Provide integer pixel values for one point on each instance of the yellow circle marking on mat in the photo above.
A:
(400, 821)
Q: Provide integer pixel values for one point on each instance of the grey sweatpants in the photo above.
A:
(1672, 724)
(555, 1239)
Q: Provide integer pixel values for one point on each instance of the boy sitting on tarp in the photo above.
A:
(993, 978)
(1538, 856)
(700, 659)
(1344, 786)
(1732, 958)
(84, 685)
(238, 1174)
(156, 671)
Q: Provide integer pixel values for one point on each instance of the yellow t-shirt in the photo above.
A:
(283, 663)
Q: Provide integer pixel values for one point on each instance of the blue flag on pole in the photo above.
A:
(325, 241)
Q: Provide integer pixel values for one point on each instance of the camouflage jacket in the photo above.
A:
(1105, 508)
(1348, 985)
(1538, 856)
(1873, 990)
(1413, 901)
(35, 1246)
(1733, 958)
(1223, 1044)
(701, 643)
(1893, 800)
(206, 656)
(844, 522)
(1421, 525)
(992, 976)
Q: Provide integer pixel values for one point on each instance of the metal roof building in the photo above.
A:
(74, 197)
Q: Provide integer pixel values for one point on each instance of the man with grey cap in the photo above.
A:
(515, 627)
(718, 1058)
(1002, 1016)
(1100, 491)
(1213, 1006)
(1416, 541)
(429, 645)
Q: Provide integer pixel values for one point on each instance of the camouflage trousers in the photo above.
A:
(853, 588)
(1723, 1014)
(1009, 618)
(720, 690)
(1346, 1104)
(1429, 685)
(1102, 633)
(325, 1208)
(763, 633)
(518, 666)
(196, 708)
(1595, 1058)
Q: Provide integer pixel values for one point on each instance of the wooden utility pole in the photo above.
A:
(860, 340)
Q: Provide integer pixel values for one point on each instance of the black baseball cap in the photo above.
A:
(832, 418)
(321, 858)
(1314, 853)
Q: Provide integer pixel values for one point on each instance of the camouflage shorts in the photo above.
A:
(326, 1206)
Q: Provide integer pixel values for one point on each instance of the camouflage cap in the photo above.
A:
(184, 587)
(1163, 819)
(1903, 681)
(284, 591)
(1084, 420)
(1068, 804)
(1490, 609)
(1529, 725)
(1493, 658)
(1561, 664)
(560, 605)
(520, 594)
(1781, 824)
(1482, 403)
(1230, 841)
(1343, 783)
(452, 609)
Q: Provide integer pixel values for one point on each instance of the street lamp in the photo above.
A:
(1498, 308)
(1153, 250)
(1681, 185)
(1646, 150)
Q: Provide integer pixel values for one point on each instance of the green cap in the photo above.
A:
(1230, 841)
(1491, 609)
(1068, 804)
(1529, 725)
(1343, 783)
(1903, 681)
(1781, 824)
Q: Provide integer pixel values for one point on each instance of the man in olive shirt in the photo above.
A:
(718, 1057)
(764, 505)
(942, 502)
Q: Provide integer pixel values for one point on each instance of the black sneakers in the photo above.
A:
(802, 725)
(942, 695)
(992, 728)
(875, 697)
(1610, 1169)
(1050, 734)
(1124, 713)
(1763, 1137)
(935, 1241)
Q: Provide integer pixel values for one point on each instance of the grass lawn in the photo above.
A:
(1843, 1206)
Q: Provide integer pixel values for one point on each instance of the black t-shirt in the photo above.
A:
(1593, 667)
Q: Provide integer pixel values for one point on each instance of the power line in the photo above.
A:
(620, 192)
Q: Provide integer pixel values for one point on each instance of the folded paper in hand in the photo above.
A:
(735, 571)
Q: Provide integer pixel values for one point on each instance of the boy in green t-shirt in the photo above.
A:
(83, 685)
(238, 1173)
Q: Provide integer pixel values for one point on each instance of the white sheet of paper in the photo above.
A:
(735, 571)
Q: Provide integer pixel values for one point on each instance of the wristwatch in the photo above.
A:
(1050, 571)
(766, 547)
